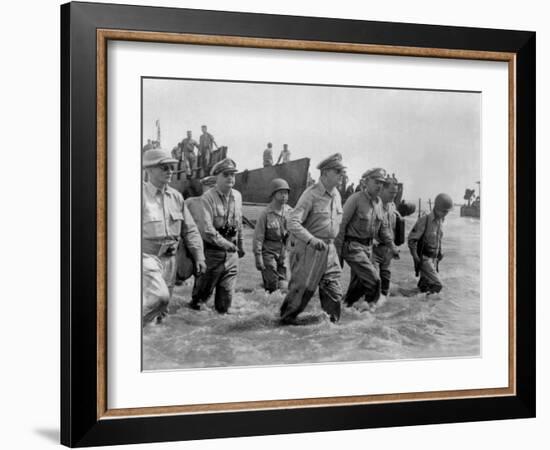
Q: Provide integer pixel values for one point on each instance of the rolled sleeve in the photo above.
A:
(416, 234)
(297, 217)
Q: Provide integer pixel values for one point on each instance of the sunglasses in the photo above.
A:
(167, 167)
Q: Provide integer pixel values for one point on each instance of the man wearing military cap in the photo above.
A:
(425, 244)
(362, 222)
(271, 236)
(221, 230)
(313, 225)
(382, 253)
(165, 222)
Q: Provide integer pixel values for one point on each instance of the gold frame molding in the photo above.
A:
(105, 35)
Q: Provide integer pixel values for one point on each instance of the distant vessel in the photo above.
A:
(473, 206)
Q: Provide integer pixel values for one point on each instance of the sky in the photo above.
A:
(431, 140)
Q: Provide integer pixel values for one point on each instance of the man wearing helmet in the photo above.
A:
(271, 236)
(425, 244)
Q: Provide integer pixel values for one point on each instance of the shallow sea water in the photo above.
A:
(409, 326)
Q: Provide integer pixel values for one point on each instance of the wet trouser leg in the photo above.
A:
(383, 256)
(365, 279)
(158, 282)
(429, 278)
(270, 274)
(330, 289)
(221, 272)
(311, 268)
(226, 283)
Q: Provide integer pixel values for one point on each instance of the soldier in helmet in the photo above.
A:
(165, 222)
(313, 225)
(221, 228)
(271, 236)
(425, 244)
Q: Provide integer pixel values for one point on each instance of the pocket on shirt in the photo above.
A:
(320, 209)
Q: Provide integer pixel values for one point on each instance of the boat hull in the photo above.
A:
(254, 185)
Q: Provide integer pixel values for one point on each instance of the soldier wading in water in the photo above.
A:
(271, 236)
(313, 225)
(220, 225)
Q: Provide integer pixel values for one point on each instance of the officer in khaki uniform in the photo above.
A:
(362, 222)
(165, 221)
(221, 229)
(271, 236)
(382, 254)
(425, 244)
(313, 225)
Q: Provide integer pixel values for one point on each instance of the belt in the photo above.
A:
(211, 246)
(429, 253)
(364, 241)
(159, 248)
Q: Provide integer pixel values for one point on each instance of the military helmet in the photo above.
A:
(443, 202)
(278, 184)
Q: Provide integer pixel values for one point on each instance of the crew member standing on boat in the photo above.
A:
(284, 157)
(425, 244)
(268, 155)
(271, 236)
(313, 224)
(187, 146)
(206, 146)
(363, 221)
(221, 230)
(166, 220)
(383, 253)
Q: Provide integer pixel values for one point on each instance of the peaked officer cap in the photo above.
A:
(208, 181)
(225, 165)
(377, 174)
(332, 162)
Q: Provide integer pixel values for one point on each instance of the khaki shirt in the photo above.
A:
(318, 213)
(390, 213)
(206, 142)
(364, 218)
(268, 157)
(430, 230)
(270, 229)
(284, 156)
(188, 145)
(165, 217)
(217, 210)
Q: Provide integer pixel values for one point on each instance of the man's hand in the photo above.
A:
(440, 256)
(230, 247)
(395, 253)
(200, 268)
(317, 244)
(241, 252)
(260, 264)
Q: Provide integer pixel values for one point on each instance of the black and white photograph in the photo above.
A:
(287, 223)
